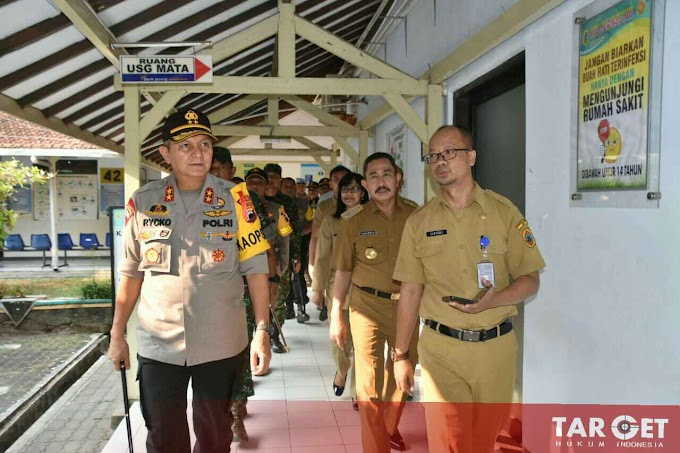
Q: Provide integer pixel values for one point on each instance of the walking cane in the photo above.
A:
(278, 327)
(126, 401)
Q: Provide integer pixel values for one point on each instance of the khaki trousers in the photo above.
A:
(373, 324)
(467, 390)
(343, 358)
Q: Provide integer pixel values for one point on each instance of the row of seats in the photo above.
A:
(43, 243)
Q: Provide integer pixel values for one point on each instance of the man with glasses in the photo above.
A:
(466, 259)
(364, 256)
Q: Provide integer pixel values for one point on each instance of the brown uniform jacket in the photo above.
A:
(441, 249)
(368, 245)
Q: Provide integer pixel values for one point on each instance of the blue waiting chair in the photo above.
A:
(42, 242)
(108, 239)
(65, 243)
(14, 243)
(89, 241)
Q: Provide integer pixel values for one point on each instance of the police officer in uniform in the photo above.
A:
(189, 238)
(364, 256)
(466, 243)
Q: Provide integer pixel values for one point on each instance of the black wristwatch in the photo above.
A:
(276, 279)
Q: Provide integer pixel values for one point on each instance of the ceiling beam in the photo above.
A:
(154, 116)
(315, 111)
(300, 85)
(88, 24)
(286, 131)
(347, 51)
(235, 107)
(409, 115)
(347, 148)
(285, 41)
(243, 39)
(519, 16)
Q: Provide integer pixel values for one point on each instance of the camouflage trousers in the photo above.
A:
(248, 388)
(280, 307)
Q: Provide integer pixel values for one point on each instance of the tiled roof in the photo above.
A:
(16, 133)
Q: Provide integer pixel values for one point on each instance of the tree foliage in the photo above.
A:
(14, 174)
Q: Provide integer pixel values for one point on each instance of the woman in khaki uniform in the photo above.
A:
(351, 194)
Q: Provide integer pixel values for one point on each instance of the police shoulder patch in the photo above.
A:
(352, 212)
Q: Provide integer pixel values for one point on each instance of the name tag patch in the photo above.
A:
(436, 233)
(368, 233)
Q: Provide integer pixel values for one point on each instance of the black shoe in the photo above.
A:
(397, 442)
(338, 390)
(277, 346)
(290, 313)
(324, 314)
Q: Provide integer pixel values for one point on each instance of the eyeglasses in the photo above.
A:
(447, 154)
(351, 189)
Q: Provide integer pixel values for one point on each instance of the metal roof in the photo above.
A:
(47, 64)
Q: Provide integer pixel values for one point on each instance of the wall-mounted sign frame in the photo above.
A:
(616, 112)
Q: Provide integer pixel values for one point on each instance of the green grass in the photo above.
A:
(51, 287)
(611, 185)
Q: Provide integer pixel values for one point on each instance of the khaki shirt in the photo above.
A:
(324, 271)
(441, 249)
(191, 304)
(324, 208)
(369, 234)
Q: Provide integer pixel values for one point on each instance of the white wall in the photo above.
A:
(603, 328)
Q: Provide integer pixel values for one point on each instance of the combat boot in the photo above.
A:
(238, 428)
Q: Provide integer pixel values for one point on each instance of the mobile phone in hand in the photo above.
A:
(462, 300)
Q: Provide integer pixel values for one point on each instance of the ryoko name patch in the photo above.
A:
(436, 233)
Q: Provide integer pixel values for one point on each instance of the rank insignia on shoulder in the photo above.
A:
(529, 238)
(208, 195)
(522, 223)
(218, 256)
(169, 194)
(352, 212)
(158, 209)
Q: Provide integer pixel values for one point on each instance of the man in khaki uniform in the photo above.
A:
(467, 350)
(364, 255)
(189, 238)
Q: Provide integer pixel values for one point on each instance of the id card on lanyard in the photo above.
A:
(485, 269)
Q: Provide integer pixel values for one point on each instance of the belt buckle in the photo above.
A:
(470, 335)
(394, 296)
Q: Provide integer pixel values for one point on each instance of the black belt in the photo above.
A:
(375, 292)
(471, 335)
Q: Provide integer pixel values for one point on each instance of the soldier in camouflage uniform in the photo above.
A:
(223, 167)
(273, 193)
